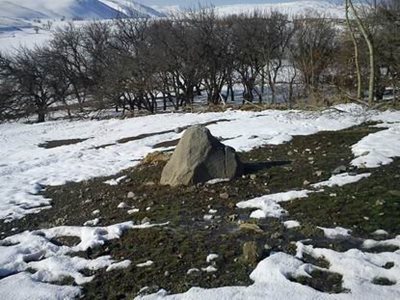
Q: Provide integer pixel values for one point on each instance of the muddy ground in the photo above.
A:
(371, 204)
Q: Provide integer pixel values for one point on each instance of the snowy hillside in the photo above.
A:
(326, 8)
(72, 9)
(131, 8)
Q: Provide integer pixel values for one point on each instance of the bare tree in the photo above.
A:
(37, 81)
(214, 37)
(314, 49)
(362, 27)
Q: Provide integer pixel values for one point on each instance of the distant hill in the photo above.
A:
(16, 11)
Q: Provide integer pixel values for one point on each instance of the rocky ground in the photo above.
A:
(204, 219)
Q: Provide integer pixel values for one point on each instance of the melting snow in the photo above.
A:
(271, 278)
(378, 148)
(211, 257)
(341, 180)
(119, 265)
(115, 181)
(337, 232)
(148, 263)
(209, 269)
(268, 205)
(93, 222)
(380, 232)
(25, 168)
(36, 250)
(291, 224)
(392, 242)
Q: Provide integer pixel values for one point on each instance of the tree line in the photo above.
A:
(158, 64)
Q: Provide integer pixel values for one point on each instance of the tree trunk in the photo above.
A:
(368, 40)
(356, 53)
(41, 117)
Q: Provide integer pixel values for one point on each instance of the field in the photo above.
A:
(314, 216)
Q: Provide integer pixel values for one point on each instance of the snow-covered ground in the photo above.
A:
(271, 275)
(25, 168)
(24, 37)
(35, 250)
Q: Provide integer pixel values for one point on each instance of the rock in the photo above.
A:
(224, 195)
(267, 247)
(339, 170)
(250, 227)
(232, 218)
(253, 176)
(60, 221)
(318, 173)
(156, 157)
(145, 220)
(178, 129)
(251, 253)
(192, 271)
(276, 235)
(290, 153)
(131, 195)
(200, 157)
(306, 182)
(123, 205)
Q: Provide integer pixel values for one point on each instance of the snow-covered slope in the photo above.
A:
(326, 8)
(329, 8)
(132, 8)
(72, 9)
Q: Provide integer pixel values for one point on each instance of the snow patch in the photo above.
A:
(268, 205)
(115, 181)
(337, 232)
(209, 269)
(291, 224)
(211, 257)
(119, 265)
(93, 222)
(341, 180)
(148, 263)
(217, 180)
(271, 278)
(36, 250)
(378, 148)
(368, 244)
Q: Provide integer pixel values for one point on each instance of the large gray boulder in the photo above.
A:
(200, 157)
